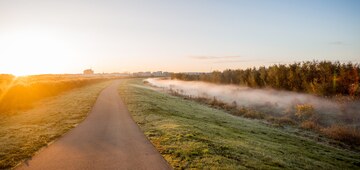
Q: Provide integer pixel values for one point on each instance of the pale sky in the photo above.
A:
(67, 36)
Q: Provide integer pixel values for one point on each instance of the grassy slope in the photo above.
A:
(191, 135)
(25, 132)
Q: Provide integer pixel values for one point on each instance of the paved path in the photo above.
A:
(107, 139)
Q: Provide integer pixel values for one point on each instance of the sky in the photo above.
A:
(68, 36)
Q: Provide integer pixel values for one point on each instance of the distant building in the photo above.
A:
(88, 71)
(157, 74)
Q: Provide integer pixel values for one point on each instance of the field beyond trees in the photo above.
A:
(322, 78)
(193, 135)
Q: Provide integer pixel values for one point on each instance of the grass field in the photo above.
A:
(25, 132)
(192, 135)
(20, 93)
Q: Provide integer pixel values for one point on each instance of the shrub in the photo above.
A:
(230, 107)
(254, 114)
(342, 133)
(217, 103)
(304, 111)
(310, 125)
(239, 112)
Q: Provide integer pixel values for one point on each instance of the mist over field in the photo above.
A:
(268, 100)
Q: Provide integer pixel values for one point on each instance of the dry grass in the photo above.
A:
(342, 133)
(22, 92)
(282, 120)
(304, 111)
(22, 133)
(309, 125)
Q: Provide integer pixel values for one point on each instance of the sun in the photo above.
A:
(33, 52)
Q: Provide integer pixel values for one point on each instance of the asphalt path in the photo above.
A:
(107, 139)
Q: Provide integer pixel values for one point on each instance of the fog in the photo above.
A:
(266, 99)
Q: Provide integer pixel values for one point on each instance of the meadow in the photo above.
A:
(19, 93)
(193, 135)
(336, 119)
(55, 105)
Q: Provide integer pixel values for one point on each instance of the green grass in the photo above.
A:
(25, 132)
(192, 135)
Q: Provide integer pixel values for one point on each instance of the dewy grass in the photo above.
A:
(25, 132)
(191, 135)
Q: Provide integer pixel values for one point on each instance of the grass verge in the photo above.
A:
(192, 135)
(24, 132)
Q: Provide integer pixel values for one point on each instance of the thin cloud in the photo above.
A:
(213, 57)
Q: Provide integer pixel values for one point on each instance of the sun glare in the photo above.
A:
(34, 52)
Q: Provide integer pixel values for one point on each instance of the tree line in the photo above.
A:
(324, 78)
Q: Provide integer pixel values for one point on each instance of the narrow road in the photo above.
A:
(107, 139)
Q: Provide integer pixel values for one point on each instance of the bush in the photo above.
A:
(217, 103)
(304, 111)
(310, 125)
(254, 114)
(239, 112)
(342, 133)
